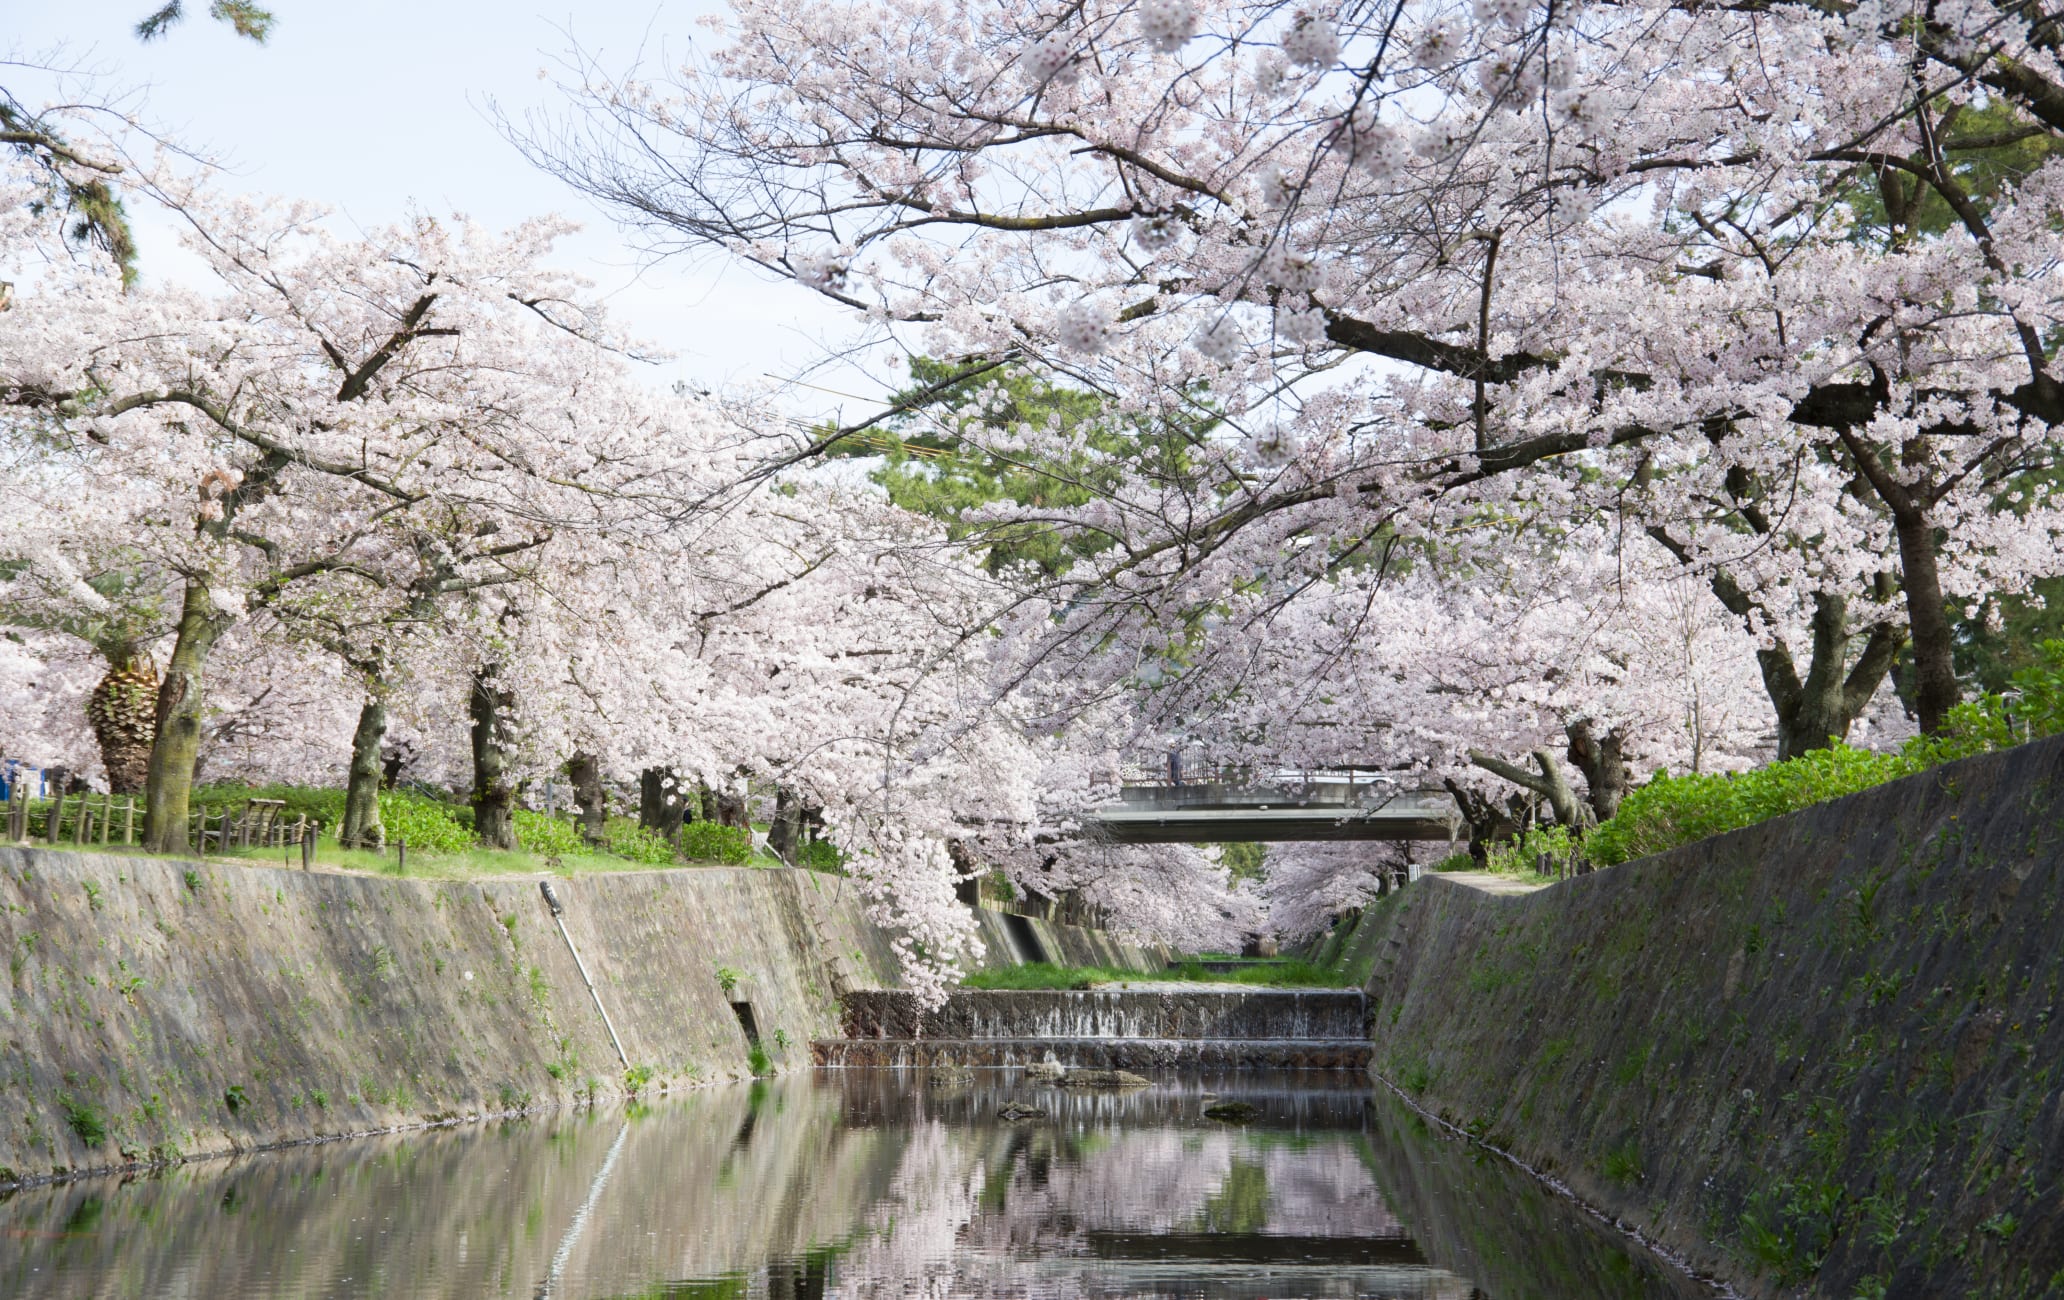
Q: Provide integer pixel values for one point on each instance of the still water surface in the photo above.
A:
(850, 1183)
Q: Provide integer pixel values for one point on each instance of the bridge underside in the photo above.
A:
(1200, 815)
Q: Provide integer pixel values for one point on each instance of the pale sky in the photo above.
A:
(373, 105)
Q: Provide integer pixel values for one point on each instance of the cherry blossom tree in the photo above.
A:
(331, 407)
(1746, 256)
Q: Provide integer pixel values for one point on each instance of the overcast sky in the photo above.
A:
(373, 105)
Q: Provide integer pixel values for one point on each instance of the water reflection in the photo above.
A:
(853, 1183)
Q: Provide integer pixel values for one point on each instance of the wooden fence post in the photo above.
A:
(401, 857)
(56, 826)
(81, 819)
(308, 834)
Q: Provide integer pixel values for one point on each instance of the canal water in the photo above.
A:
(858, 1183)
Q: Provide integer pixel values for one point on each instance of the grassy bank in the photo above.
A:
(437, 829)
(424, 864)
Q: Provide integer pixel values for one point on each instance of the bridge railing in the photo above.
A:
(1196, 765)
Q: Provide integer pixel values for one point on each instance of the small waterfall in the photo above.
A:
(1310, 1028)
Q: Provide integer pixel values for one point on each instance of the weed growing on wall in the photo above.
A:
(85, 1120)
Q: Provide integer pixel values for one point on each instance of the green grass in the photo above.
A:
(424, 864)
(1041, 975)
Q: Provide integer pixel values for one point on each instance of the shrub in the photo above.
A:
(2034, 708)
(823, 855)
(423, 823)
(1517, 857)
(545, 835)
(709, 842)
(627, 839)
(1673, 810)
(325, 806)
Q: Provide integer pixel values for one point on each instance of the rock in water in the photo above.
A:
(1018, 1110)
(1104, 1079)
(1046, 1071)
(951, 1074)
(1231, 1112)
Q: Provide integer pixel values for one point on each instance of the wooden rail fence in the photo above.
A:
(107, 819)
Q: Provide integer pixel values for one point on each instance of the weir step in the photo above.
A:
(1098, 1053)
(1071, 1015)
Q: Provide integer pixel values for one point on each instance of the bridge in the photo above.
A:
(1334, 804)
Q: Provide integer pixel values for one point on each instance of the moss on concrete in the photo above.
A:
(1821, 1053)
(199, 1007)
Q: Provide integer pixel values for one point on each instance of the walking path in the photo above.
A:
(1491, 883)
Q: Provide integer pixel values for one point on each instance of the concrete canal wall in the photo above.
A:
(1822, 1055)
(156, 1009)
(159, 1008)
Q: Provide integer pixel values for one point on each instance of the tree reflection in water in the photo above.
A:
(856, 1184)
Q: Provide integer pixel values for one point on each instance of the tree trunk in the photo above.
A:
(731, 811)
(1927, 621)
(1819, 711)
(1603, 761)
(361, 828)
(1550, 784)
(1488, 822)
(662, 801)
(124, 713)
(585, 770)
(176, 738)
(494, 799)
(785, 832)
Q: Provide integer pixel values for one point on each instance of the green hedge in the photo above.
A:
(1674, 810)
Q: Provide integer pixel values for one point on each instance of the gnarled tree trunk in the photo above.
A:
(1488, 822)
(176, 741)
(362, 828)
(494, 799)
(1550, 784)
(1603, 761)
(123, 710)
(1818, 711)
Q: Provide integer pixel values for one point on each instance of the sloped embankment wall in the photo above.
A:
(185, 1008)
(1009, 939)
(1822, 1054)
